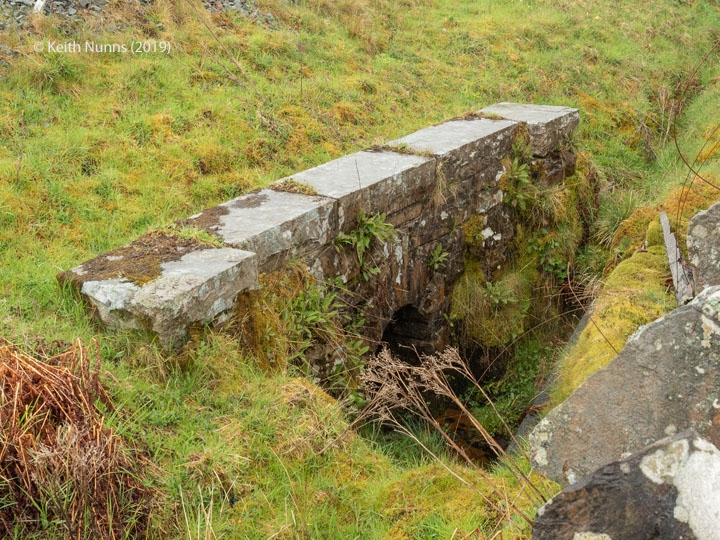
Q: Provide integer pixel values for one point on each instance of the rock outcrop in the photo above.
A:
(665, 380)
(703, 244)
(670, 489)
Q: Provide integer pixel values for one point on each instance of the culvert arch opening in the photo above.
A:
(409, 334)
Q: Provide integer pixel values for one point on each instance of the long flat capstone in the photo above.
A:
(453, 135)
(376, 181)
(275, 225)
(194, 289)
(261, 230)
(547, 125)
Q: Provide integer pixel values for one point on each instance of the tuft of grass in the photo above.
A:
(62, 472)
(291, 185)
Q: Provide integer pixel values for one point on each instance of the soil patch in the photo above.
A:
(139, 262)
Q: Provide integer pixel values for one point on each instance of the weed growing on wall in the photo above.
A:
(372, 231)
(438, 257)
(296, 320)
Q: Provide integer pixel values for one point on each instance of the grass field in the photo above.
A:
(96, 149)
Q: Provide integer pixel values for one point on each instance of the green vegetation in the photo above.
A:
(96, 150)
(371, 232)
(438, 257)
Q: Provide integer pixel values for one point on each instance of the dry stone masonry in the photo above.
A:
(427, 184)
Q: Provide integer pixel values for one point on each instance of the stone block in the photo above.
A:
(375, 181)
(194, 289)
(670, 489)
(275, 225)
(703, 244)
(464, 147)
(547, 125)
(553, 169)
(665, 380)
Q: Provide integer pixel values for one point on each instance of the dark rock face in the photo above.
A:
(669, 490)
(665, 380)
(703, 243)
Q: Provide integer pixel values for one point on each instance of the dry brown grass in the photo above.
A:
(394, 387)
(63, 474)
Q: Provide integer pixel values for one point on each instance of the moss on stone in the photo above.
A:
(491, 313)
(473, 231)
(634, 294)
(654, 234)
(140, 261)
(290, 185)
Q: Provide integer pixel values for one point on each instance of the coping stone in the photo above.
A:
(453, 135)
(547, 125)
(376, 181)
(273, 224)
(194, 289)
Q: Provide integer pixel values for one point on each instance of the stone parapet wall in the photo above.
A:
(427, 185)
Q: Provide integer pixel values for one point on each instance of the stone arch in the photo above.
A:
(409, 334)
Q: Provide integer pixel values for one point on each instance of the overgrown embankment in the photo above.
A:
(637, 286)
(98, 149)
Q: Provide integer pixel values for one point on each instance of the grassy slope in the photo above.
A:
(97, 149)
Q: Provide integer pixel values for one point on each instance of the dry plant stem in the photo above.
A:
(692, 170)
(395, 385)
(451, 360)
(57, 459)
(400, 427)
(21, 147)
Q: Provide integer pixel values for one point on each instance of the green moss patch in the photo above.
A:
(634, 294)
(491, 313)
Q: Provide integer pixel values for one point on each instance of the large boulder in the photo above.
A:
(670, 489)
(665, 380)
(703, 243)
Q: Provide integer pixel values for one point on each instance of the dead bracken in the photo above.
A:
(62, 472)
